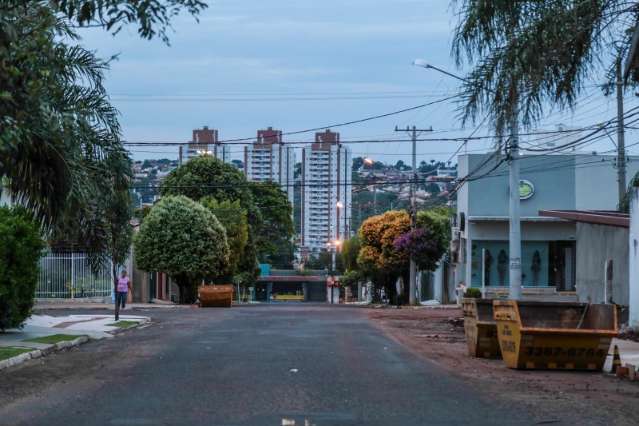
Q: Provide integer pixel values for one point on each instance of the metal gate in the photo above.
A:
(69, 275)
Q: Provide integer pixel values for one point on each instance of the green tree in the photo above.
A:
(99, 222)
(183, 239)
(56, 121)
(350, 251)
(55, 117)
(19, 255)
(274, 238)
(233, 218)
(528, 55)
(153, 17)
(206, 176)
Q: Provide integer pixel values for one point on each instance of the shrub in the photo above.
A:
(183, 239)
(19, 255)
(473, 293)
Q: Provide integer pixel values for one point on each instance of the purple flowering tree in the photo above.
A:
(424, 245)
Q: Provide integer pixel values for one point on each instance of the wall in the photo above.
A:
(547, 230)
(595, 244)
(596, 181)
(562, 182)
(554, 186)
(633, 247)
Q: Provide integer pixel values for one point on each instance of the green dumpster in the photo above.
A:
(480, 328)
(554, 335)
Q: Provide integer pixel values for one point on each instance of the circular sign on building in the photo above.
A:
(526, 189)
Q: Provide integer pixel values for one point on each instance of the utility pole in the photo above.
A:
(414, 132)
(180, 155)
(514, 236)
(621, 143)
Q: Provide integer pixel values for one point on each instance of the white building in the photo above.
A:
(633, 251)
(269, 159)
(555, 191)
(205, 142)
(326, 192)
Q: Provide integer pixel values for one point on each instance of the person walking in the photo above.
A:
(122, 289)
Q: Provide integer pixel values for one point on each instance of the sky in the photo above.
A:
(299, 64)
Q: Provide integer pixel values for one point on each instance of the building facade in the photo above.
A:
(479, 248)
(205, 141)
(270, 159)
(633, 260)
(326, 192)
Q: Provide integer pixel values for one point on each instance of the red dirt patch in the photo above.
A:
(574, 397)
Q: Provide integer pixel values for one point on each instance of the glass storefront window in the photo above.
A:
(543, 264)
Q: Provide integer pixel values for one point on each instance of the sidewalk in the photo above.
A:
(43, 334)
(628, 351)
(79, 304)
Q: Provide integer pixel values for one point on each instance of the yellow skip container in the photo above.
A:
(480, 328)
(554, 335)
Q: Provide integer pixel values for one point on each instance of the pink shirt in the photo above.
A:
(123, 284)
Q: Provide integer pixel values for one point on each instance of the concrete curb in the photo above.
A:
(37, 353)
(124, 330)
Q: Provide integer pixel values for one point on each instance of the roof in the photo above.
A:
(506, 219)
(292, 278)
(598, 217)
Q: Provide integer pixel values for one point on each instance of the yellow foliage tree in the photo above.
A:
(377, 234)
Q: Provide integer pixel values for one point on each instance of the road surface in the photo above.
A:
(256, 365)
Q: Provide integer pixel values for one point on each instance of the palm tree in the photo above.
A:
(56, 118)
(530, 54)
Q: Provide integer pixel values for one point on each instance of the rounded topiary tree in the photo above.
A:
(20, 252)
(183, 239)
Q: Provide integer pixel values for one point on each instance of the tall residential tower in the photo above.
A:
(326, 192)
(269, 159)
(205, 142)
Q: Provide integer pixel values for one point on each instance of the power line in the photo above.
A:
(387, 140)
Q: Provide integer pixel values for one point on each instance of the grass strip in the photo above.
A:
(123, 324)
(11, 351)
(53, 339)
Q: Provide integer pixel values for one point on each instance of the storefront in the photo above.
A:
(480, 231)
(548, 253)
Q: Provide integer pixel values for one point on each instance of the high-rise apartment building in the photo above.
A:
(326, 192)
(270, 159)
(205, 142)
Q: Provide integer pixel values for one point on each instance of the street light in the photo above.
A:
(368, 161)
(423, 64)
(339, 205)
(514, 232)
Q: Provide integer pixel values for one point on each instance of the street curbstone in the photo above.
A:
(39, 353)
(18, 359)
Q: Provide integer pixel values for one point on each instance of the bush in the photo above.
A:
(19, 255)
(183, 239)
(473, 293)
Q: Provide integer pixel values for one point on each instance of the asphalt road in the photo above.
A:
(265, 365)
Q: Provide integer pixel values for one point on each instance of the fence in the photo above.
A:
(69, 275)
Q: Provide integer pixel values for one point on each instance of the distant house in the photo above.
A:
(601, 249)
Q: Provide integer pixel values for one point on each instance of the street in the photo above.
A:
(260, 365)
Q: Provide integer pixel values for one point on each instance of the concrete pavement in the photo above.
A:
(76, 329)
(265, 365)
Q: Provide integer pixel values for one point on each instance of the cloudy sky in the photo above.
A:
(297, 64)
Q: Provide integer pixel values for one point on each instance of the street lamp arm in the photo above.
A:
(423, 64)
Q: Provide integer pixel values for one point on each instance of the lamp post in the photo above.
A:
(333, 246)
(514, 234)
